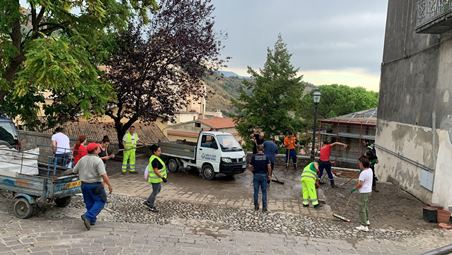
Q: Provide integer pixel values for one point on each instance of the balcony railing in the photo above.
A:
(433, 16)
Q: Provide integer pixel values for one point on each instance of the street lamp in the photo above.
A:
(316, 98)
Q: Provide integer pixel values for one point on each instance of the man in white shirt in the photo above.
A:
(61, 147)
(364, 186)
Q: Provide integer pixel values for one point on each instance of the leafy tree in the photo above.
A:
(273, 97)
(51, 48)
(156, 69)
(338, 100)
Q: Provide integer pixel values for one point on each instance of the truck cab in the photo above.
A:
(214, 153)
(8, 133)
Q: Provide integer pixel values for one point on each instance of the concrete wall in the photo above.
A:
(411, 142)
(442, 193)
(415, 91)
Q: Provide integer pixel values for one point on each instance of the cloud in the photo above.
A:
(349, 77)
(321, 35)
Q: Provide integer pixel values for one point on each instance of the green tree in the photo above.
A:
(51, 49)
(272, 95)
(338, 100)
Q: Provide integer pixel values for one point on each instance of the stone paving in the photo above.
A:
(68, 236)
(215, 193)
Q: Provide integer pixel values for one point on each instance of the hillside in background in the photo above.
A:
(224, 87)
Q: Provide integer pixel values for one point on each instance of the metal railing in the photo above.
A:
(431, 10)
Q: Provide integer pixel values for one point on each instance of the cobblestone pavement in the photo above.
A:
(233, 192)
(67, 236)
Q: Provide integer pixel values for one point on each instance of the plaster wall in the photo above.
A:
(412, 142)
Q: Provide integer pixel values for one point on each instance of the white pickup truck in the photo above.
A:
(213, 153)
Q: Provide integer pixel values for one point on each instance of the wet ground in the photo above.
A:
(389, 208)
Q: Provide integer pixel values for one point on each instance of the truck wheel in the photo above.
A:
(207, 172)
(62, 201)
(22, 208)
(173, 165)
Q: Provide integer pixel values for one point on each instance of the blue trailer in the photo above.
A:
(52, 184)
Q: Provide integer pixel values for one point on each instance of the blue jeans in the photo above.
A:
(95, 198)
(291, 154)
(260, 180)
(326, 165)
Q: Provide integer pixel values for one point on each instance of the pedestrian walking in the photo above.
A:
(364, 186)
(156, 175)
(290, 142)
(371, 154)
(91, 171)
(103, 154)
(260, 166)
(325, 163)
(309, 183)
(79, 149)
(61, 148)
(130, 141)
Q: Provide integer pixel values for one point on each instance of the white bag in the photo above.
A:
(146, 173)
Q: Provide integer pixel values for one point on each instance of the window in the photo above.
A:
(208, 141)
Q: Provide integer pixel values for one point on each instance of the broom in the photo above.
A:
(276, 179)
(335, 215)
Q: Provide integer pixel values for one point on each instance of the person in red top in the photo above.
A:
(325, 163)
(80, 149)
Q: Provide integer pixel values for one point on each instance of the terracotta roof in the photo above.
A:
(218, 123)
(148, 133)
(182, 133)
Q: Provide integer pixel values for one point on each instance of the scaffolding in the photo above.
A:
(351, 129)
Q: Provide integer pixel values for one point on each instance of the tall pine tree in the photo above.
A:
(273, 95)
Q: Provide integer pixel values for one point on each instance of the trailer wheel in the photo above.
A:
(173, 165)
(22, 208)
(62, 201)
(207, 172)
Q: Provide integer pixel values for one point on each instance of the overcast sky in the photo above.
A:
(332, 41)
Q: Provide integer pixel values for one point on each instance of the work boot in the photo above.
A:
(305, 205)
(264, 209)
(295, 166)
(133, 172)
(317, 206)
(256, 208)
(123, 173)
(333, 185)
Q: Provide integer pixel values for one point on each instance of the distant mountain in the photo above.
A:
(229, 74)
(223, 88)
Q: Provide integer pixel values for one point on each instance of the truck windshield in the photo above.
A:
(228, 143)
(7, 132)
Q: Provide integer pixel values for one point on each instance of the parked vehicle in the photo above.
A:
(31, 180)
(8, 133)
(214, 153)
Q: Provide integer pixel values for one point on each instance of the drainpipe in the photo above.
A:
(434, 140)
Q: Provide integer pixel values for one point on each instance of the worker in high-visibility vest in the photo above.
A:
(129, 141)
(157, 174)
(309, 184)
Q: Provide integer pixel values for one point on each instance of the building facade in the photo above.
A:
(414, 129)
(352, 129)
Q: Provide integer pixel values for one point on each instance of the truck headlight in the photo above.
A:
(226, 160)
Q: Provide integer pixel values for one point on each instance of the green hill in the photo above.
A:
(222, 89)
